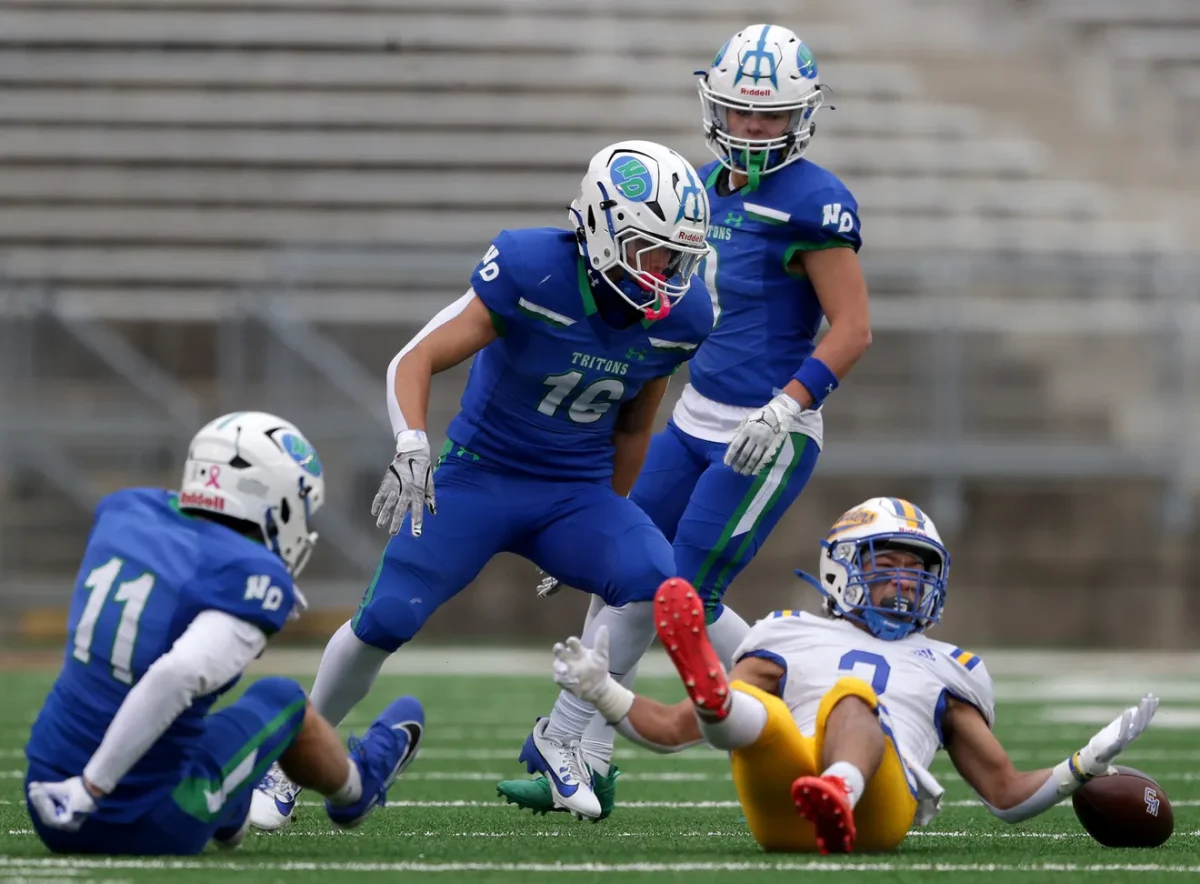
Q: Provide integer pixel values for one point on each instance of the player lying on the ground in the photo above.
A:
(577, 333)
(746, 433)
(177, 594)
(832, 722)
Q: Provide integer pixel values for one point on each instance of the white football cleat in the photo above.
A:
(565, 770)
(273, 803)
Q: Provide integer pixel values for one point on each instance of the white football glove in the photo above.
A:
(584, 672)
(760, 434)
(65, 805)
(547, 586)
(407, 486)
(1116, 737)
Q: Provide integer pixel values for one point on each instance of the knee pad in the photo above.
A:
(388, 622)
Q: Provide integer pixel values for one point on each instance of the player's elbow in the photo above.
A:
(1001, 793)
(857, 332)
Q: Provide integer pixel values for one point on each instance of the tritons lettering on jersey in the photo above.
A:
(600, 363)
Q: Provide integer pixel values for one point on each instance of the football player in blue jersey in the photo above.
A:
(575, 334)
(746, 433)
(177, 594)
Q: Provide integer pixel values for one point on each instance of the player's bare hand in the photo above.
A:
(759, 435)
(548, 585)
(64, 805)
(407, 486)
(1118, 735)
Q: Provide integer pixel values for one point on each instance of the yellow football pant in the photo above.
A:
(764, 772)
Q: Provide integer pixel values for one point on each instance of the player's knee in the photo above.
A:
(277, 692)
(639, 576)
(850, 701)
(387, 623)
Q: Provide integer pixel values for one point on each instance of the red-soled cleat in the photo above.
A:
(825, 802)
(679, 621)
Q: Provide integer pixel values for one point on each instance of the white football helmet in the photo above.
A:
(847, 567)
(760, 68)
(642, 207)
(254, 467)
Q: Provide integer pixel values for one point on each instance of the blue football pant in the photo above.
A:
(582, 532)
(217, 775)
(716, 518)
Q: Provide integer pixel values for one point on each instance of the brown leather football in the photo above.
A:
(1125, 809)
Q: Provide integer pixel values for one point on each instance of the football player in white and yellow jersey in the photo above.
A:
(832, 722)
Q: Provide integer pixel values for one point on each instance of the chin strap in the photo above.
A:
(753, 163)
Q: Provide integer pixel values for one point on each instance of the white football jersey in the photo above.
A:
(913, 677)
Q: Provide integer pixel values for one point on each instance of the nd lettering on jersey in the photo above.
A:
(833, 216)
(258, 588)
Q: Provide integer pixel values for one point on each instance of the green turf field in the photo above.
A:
(677, 818)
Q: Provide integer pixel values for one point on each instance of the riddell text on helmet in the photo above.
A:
(200, 499)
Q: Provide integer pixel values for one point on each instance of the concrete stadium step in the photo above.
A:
(495, 73)
(315, 190)
(467, 113)
(316, 148)
(562, 31)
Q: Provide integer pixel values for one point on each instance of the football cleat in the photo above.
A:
(274, 801)
(231, 837)
(535, 795)
(566, 772)
(824, 802)
(679, 622)
(389, 746)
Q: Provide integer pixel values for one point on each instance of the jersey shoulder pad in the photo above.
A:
(764, 637)
(965, 677)
(524, 272)
(251, 584)
(821, 211)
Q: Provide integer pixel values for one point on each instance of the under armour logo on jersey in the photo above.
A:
(259, 588)
(833, 216)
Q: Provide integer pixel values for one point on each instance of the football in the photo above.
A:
(1125, 809)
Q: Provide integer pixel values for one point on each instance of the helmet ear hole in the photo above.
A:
(591, 219)
(285, 511)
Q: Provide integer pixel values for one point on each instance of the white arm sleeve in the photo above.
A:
(399, 424)
(214, 648)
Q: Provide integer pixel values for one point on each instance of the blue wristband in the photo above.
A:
(817, 379)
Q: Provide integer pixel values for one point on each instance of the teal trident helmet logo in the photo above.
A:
(302, 453)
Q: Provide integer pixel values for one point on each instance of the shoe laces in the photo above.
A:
(577, 764)
(283, 788)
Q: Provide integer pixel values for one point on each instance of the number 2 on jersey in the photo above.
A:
(131, 595)
(880, 669)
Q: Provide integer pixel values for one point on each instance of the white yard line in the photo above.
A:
(583, 831)
(264, 865)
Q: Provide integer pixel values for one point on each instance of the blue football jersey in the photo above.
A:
(542, 399)
(148, 570)
(766, 316)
